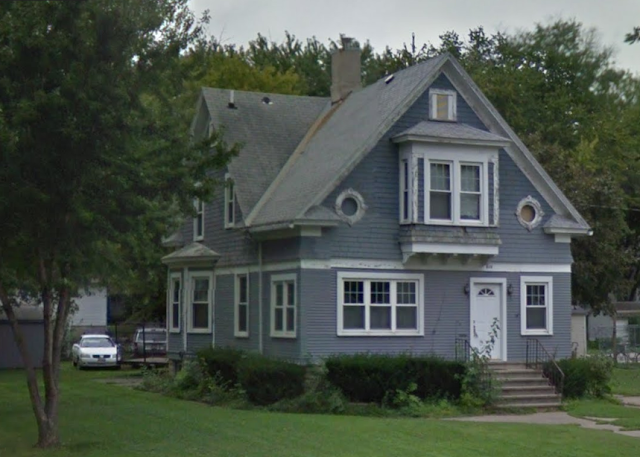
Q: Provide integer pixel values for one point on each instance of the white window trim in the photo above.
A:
(347, 275)
(433, 108)
(236, 321)
(547, 281)
(190, 282)
(289, 277)
(172, 278)
(456, 159)
(229, 198)
(196, 202)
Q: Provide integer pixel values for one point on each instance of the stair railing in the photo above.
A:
(466, 353)
(538, 357)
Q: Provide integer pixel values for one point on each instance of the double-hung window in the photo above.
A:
(283, 306)
(175, 292)
(229, 202)
(457, 192)
(443, 105)
(536, 305)
(405, 195)
(242, 306)
(200, 302)
(198, 220)
(379, 304)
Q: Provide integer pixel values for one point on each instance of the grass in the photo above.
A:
(99, 419)
(626, 416)
(626, 381)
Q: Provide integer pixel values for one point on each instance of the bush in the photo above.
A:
(267, 381)
(371, 377)
(222, 364)
(585, 376)
(325, 400)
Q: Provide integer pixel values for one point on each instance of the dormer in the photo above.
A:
(447, 179)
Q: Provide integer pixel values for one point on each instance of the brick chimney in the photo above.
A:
(345, 69)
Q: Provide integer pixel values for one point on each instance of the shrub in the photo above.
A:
(585, 376)
(267, 381)
(324, 400)
(222, 364)
(370, 377)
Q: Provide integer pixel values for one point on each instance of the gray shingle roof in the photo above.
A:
(269, 133)
(562, 222)
(449, 235)
(341, 141)
(192, 252)
(450, 131)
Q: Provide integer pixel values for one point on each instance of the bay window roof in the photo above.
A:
(446, 132)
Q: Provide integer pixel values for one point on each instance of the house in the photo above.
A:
(31, 321)
(405, 216)
(90, 310)
(600, 327)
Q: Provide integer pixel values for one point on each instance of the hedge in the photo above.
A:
(368, 377)
(587, 376)
(267, 381)
(264, 380)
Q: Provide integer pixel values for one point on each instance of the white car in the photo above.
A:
(95, 351)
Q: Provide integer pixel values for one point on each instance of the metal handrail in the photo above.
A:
(464, 348)
(538, 355)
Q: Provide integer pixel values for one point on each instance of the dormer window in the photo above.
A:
(458, 192)
(198, 220)
(442, 105)
(229, 202)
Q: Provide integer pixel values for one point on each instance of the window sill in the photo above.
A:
(198, 238)
(199, 330)
(286, 335)
(456, 224)
(243, 335)
(536, 333)
(413, 333)
(174, 330)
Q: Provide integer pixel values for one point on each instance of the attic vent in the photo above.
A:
(388, 79)
(267, 101)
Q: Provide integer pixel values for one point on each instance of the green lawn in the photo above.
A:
(627, 416)
(626, 381)
(113, 421)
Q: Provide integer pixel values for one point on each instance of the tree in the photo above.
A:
(633, 36)
(95, 162)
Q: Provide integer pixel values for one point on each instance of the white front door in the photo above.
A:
(487, 326)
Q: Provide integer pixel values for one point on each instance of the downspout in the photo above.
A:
(260, 330)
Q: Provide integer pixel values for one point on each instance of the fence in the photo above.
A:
(627, 342)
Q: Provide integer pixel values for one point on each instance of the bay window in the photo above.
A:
(283, 306)
(379, 304)
(175, 291)
(200, 305)
(241, 326)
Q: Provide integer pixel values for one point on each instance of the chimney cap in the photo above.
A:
(348, 42)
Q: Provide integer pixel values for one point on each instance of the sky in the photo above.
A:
(391, 22)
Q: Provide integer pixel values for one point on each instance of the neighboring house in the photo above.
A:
(31, 322)
(90, 312)
(579, 331)
(600, 327)
(399, 217)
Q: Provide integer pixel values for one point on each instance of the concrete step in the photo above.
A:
(540, 406)
(507, 391)
(517, 374)
(524, 399)
(522, 382)
(506, 365)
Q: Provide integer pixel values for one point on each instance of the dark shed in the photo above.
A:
(32, 324)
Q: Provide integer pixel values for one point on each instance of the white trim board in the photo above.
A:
(371, 264)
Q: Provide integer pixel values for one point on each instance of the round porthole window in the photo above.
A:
(350, 206)
(529, 212)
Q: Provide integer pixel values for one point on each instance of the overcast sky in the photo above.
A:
(391, 22)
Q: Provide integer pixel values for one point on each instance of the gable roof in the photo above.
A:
(268, 132)
(194, 252)
(276, 186)
(347, 135)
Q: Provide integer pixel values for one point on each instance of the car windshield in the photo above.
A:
(152, 336)
(96, 343)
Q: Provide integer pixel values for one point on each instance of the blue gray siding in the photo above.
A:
(225, 313)
(518, 244)
(234, 246)
(446, 317)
